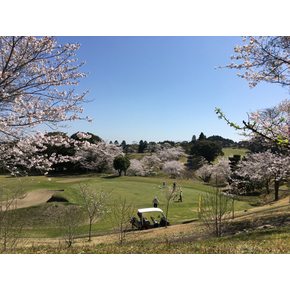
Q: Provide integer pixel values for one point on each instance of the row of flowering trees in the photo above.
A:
(258, 171)
(41, 153)
(261, 170)
(165, 159)
(263, 59)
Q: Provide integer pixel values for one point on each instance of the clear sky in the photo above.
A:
(164, 88)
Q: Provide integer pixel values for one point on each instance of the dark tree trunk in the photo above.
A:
(233, 208)
(276, 186)
(216, 215)
(90, 231)
(167, 209)
(267, 187)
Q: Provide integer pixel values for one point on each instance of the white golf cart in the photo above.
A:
(149, 218)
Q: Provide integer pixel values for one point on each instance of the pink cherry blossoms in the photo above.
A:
(38, 77)
(263, 59)
(272, 123)
(34, 153)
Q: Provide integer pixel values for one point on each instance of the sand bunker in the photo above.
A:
(31, 199)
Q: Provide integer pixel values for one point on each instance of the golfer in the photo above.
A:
(155, 202)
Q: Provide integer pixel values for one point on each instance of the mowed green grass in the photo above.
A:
(229, 152)
(138, 191)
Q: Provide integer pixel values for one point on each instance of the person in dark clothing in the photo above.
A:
(174, 186)
(155, 201)
(180, 196)
(141, 219)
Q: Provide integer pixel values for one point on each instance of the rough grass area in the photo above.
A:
(271, 241)
(261, 232)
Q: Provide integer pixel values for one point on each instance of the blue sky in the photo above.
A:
(164, 88)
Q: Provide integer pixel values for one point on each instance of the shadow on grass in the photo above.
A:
(55, 198)
(110, 176)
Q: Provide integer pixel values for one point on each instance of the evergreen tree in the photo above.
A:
(124, 146)
(201, 137)
(207, 149)
(193, 139)
(142, 146)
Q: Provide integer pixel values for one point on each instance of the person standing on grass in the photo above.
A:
(174, 186)
(155, 201)
(180, 196)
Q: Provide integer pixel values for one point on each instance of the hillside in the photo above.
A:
(265, 229)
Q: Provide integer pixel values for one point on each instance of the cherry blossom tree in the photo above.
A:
(38, 77)
(97, 157)
(263, 59)
(136, 168)
(95, 204)
(82, 136)
(151, 164)
(271, 124)
(220, 172)
(204, 172)
(173, 168)
(169, 154)
(120, 215)
(217, 173)
(40, 152)
(264, 168)
(30, 153)
(38, 80)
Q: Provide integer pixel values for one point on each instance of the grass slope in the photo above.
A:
(264, 233)
(41, 220)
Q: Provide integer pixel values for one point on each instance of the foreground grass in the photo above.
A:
(262, 230)
(273, 241)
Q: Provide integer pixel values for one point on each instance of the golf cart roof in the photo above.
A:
(151, 209)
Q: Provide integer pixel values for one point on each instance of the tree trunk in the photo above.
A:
(90, 231)
(216, 215)
(167, 208)
(267, 187)
(276, 186)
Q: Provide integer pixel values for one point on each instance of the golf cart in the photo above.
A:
(149, 218)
